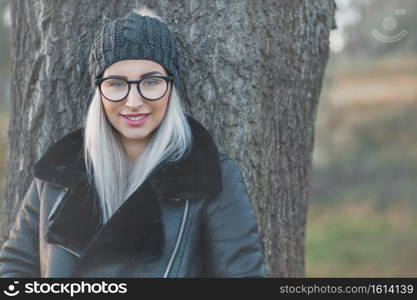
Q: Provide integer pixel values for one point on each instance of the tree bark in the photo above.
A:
(253, 72)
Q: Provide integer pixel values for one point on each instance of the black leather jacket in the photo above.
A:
(189, 219)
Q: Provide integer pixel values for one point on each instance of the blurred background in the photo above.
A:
(362, 218)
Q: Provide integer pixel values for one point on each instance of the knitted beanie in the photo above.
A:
(134, 37)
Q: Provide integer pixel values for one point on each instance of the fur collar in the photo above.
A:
(76, 223)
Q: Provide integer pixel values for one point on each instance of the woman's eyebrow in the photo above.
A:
(142, 76)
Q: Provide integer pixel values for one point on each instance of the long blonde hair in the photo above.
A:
(107, 164)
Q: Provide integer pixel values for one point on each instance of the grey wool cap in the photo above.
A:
(134, 37)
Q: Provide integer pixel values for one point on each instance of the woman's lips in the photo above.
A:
(135, 122)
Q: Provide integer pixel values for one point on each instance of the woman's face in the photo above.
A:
(134, 103)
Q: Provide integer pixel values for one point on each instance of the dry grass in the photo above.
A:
(357, 240)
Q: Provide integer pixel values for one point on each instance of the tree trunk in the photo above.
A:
(254, 74)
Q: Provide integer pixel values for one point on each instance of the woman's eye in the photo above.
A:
(115, 83)
(151, 82)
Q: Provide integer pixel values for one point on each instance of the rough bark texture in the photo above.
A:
(254, 74)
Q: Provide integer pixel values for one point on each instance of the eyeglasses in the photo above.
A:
(150, 88)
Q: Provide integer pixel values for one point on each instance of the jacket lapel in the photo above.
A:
(76, 224)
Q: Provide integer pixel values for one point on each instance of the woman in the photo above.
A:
(140, 190)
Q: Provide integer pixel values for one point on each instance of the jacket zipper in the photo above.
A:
(55, 209)
(177, 244)
(69, 250)
(57, 203)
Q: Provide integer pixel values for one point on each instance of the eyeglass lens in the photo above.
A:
(151, 88)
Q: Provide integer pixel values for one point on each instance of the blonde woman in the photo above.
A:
(140, 190)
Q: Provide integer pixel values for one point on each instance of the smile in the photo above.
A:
(135, 120)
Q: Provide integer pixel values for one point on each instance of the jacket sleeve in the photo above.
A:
(231, 246)
(19, 254)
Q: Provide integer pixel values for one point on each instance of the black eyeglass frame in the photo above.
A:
(99, 80)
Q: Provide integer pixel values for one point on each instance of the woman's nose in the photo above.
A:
(134, 99)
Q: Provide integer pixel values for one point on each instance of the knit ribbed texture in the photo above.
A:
(134, 37)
